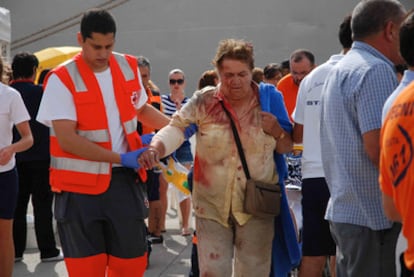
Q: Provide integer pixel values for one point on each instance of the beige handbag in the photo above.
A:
(262, 199)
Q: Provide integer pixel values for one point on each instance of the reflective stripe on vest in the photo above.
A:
(124, 65)
(83, 166)
(76, 77)
(76, 165)
(94, 136)
(131, 126)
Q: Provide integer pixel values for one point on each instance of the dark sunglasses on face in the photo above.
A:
(178, 81)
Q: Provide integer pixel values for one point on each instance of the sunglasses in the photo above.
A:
(178, 81)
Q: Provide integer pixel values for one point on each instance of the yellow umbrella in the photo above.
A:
(53, 56)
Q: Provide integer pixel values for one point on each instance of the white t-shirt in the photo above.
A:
(57, 103)
(12, 112)
(307, 113)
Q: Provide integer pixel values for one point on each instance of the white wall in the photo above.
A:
(5, 34)
(185, 33)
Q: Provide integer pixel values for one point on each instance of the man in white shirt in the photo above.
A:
(317, 242)
(91, 104)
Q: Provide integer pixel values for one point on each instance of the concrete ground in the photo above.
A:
(170, 259)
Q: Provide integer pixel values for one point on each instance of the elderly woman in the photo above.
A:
(224, 229)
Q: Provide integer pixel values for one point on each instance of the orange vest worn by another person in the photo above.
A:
(397, 163)
(154, 99)
(69, 172)
(289, 91)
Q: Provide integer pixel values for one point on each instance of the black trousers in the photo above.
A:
(34, 182)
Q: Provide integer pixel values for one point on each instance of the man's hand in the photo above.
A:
(150, 158)
(130, 159)
(146, 139)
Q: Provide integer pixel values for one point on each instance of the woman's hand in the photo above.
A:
(270, 125)
(6, 154)
(149, 158)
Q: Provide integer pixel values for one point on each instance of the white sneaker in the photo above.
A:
(57, 258)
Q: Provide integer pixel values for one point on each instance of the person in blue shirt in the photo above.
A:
(351, 104)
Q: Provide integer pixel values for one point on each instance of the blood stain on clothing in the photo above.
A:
(214, 256)
(199, 175)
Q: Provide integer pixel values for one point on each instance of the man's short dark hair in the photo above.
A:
(97, 21)
(300, 54)
(24, 65)
(42, 76)
(407, 39)
(345, 32)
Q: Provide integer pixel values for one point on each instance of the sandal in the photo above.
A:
(185, 232)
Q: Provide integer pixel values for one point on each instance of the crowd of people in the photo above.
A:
(93, 136)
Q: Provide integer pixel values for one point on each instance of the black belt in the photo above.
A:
(121, 169)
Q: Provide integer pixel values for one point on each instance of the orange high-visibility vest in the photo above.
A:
(152, 99)
(69, 172)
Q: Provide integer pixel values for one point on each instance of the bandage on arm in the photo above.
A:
(171, 137)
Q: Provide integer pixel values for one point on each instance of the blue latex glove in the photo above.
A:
(146, 139)
(190, 131)
(130, 159)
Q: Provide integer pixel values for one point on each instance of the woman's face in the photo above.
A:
(236, 78)
(177, 83)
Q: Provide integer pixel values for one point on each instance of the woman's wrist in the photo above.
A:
(279, 134)
(153, 149)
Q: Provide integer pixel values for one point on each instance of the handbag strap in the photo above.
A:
(238, 142)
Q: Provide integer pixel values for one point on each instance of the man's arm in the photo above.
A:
(390, 209)
(71, 142)
(371, 145)
(297, 135)
(150, 116)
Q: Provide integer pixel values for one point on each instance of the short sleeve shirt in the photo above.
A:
(289, 91)
(351, 105)
(307, 113)
(12, 112)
